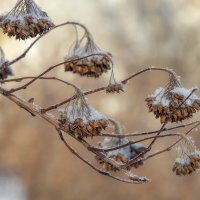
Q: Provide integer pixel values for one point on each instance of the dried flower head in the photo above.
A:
(81, 119)
(188, 158)
(25, 20)
(166, 100)
(115, 88)
(95, 61)
(5, 70)
(121, 155)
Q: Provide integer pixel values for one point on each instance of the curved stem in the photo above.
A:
(48, 70)
(36, 40)
(134, 142)
(134, 180)
(104, 88)
(172, 145)
(146, 133)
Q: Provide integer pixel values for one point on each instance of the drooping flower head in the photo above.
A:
(188, 158)
(96, 61)
(165, 101)
(81, 119)
(25, 20)
(121, 155)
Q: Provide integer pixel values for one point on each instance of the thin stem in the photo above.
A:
(36, 40)
(104, 88)
(145, 133)
(148, 69)
(41, 78)
(134, 142)
(46, 71)
(172, 145)
(102, 172)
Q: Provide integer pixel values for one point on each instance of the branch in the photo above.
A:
(161, 129)
(171, 146)
(133, 142)
(48, 70)
(146, 133)
(104, 88)
(36, 40)
(132, 179)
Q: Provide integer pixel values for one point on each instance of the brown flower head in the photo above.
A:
(115, 88)
(81, 119)
(122, 155)
(94, 60)
(165, 101)
(25, 20)
(188, 158)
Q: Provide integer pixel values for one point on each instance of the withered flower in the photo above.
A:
(121, 155)
(5, 70)
(188, 158)
(166, 100)
(25, 20)
(81, 119)
(115, 88)
(95, 63)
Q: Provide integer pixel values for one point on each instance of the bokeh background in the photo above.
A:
(34, 163)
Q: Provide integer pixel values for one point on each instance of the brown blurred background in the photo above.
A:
(34, 164)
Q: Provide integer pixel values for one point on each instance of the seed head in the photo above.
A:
(87, 59)
(81, 119)
(166, 100)
(25, 20)
(188, 158)
(122, 155)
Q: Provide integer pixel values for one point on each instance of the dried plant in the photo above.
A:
(116, 155)
(25, 20)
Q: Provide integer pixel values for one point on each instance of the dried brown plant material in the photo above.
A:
(115, 88)
(81, 119)
(165, 101)
(94, 60)
(25, 20)
(5, 70)
(121, 155)
(188, 158)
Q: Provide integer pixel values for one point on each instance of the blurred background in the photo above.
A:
(34, 163)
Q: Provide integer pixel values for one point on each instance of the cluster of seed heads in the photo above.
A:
(93, 66)
(186, 168)
(167, 107)
(80, 129)
(81, 119)
(87, 59)
(122, 155)
(25, 20)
